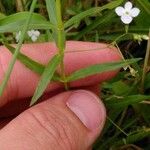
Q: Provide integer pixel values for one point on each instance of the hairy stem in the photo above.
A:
(61, 40)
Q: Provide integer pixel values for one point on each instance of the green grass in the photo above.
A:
(127, 95)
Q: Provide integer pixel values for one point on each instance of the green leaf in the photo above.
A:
(30, 63)
(133, 138)
(99, 68)
(145, 5)
(120, 88)
(15, 22)
(51, 8)
(143, 19)
(100, 21)
(126, 101)
(46, 78)
(2, 15)
(18, 47)
(90, 12)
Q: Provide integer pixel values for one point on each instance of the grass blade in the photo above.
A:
(99, 68)
(28, 62)
(129, 100)
(133, 138)
(51, 8)
(31, 64)
(90, 12)
(16, 22)
(46, 78)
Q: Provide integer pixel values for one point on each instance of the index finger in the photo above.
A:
(23, 81)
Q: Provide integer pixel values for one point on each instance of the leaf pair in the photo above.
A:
(91, 70)
(48, 71)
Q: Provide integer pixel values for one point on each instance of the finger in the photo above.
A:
(78, 55)
(13, 108)
(4, 122)
(62, 122)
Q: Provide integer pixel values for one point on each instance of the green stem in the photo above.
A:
(126, 28)
(146, 61)
(117, 126)
(61, 40)
(12, 62)
(118, 38)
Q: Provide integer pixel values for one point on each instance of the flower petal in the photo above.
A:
(34, 38)
(128, 6)
(36, 33)
(18, 36)
(119, 11)
(126, 19)
(134, 12)
(30, 33)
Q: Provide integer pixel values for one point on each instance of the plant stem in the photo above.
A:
(61, 40)
(12, 62)
(126, 28)
(117, 126)
(146, 63)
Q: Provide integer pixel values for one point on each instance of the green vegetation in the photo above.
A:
(126, 96)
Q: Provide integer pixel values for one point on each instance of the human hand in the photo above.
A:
(64, 120)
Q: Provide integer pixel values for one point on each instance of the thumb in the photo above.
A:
(69, 121)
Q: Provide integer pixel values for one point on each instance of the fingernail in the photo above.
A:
(88, 108)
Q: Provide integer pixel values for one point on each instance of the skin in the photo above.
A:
(52, 124)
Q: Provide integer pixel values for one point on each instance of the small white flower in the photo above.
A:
(18, 34)
(33, 34)
(127, 13)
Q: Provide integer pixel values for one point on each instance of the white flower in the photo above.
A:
(127, 13)
(18, 36)
(34, 34)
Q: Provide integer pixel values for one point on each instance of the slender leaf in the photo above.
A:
(145, 4)
(91, 11)
(16, 22)
(14, 58)
(30, 63)
(99, 68)
(99, 21)
(133, 138)
(46, 78)
(129, 100)
(51, 8)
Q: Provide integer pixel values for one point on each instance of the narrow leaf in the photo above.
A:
(46, 78)
(129, 100)
(133, 138)
(90, 12)
(30, 63)
(51, 8)
(16, 22)
(14, 58)
(99, 68)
